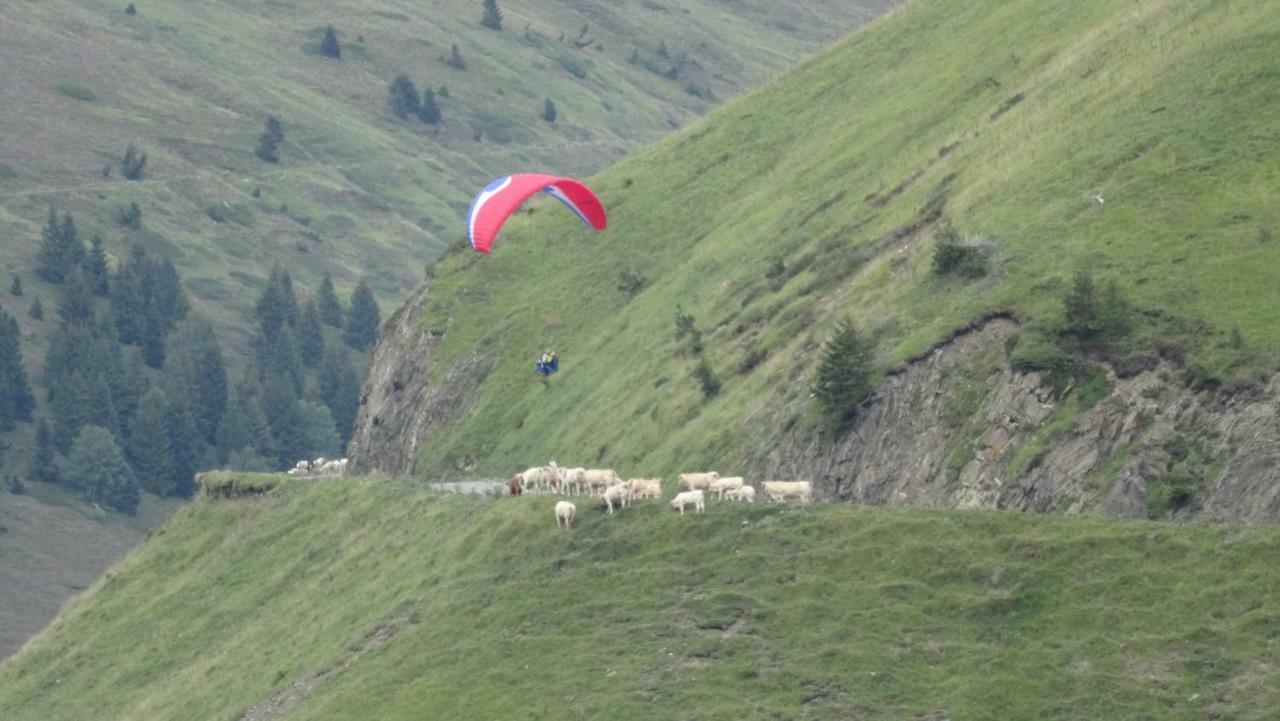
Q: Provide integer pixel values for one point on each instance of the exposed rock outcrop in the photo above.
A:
(399, 410)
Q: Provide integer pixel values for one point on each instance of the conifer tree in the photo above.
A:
(94, 268)
(269, 141)
(244, 429)
(72, 248)
(16, 399)
(148, 448)
(185, 447)
(37, 310)
(329, 46)
(69, 411)
(492, 15)
(49, 256)
(288, 298)
(364, 318)
(843, 380)
(76, 307)
(339, 387)
(42, 468)
(549, 113)
(280, 408)
(15, 287)
(154, 333)
(96, 468)
(133, 163)
(429, 110)
(403, 97)
(310, 335)
(330, 307)
(318, 431)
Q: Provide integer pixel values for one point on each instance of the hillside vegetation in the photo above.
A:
(356, 191)
(365, 598)
(1129, 144)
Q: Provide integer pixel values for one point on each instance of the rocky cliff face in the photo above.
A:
(398, 411)
(957, 427)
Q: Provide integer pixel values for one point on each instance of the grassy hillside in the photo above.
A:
(821, 196)
(52, 545)
(375, 599)
(357, 191)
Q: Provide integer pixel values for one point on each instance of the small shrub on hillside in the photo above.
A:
(269, 141)
(403, 97)
(549, 112)
(454, 59)
(951, 256)
(492, 18)
(686, 328)
(631, 282)
(77, 91)
(15, 287)
(753, 360)
(131, 216)
(329, 46)
(15, 485)
(429, 109)
(131, 10)
(36, 311)
(707, 379)
(133, 163)
(1094, 319)
(843, 380)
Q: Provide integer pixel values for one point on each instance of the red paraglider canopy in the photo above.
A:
(499, 199)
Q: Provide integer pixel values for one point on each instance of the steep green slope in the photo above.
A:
(819, 197)
(53, 544)
(375, 599)
(357, 191)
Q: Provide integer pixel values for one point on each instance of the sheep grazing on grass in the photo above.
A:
(645, 488)
(619, 495)
(694, 481)
(565, 511)
(537, 479)
(780, 491)
(694, 498)
(720, 485)
(571, 480)
(597, 480)
(514, 487)
(746, 493)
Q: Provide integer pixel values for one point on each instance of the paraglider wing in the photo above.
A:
(499, 199)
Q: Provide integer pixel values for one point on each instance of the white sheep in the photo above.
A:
(571, 480)
(565, 511)
(746, 493)
(618, 494)
(720, 485)
(536, 478)
(779, 491)
(688, 497)
(694, 481)
(598, 479)
(645, 488)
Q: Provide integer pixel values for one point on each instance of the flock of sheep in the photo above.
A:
(615, 493)
(319, 467)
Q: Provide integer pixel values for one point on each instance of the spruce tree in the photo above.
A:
(94, 268)
(339, 386)
(310, 335)
(70, 411)
(330, 307)
(15, 287)
(364, 319)
(133, 163)
(37, 310)
(329, 46)
(50, 255)
(42, 468)
(185, 446)
(244, 429)
(269, 141)
(318, 431)
(69, 242)
(148, 448)
(280, 408)
(549, 113)
(492, 15)
(429, 110)
(96, 468)
(76, 306)
(154, 333)
(403, 97)
(16, 399)
(843, 380)
(288, 298)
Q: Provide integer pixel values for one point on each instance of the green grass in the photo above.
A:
(840, 170)
(401, 604)
(192, 84)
